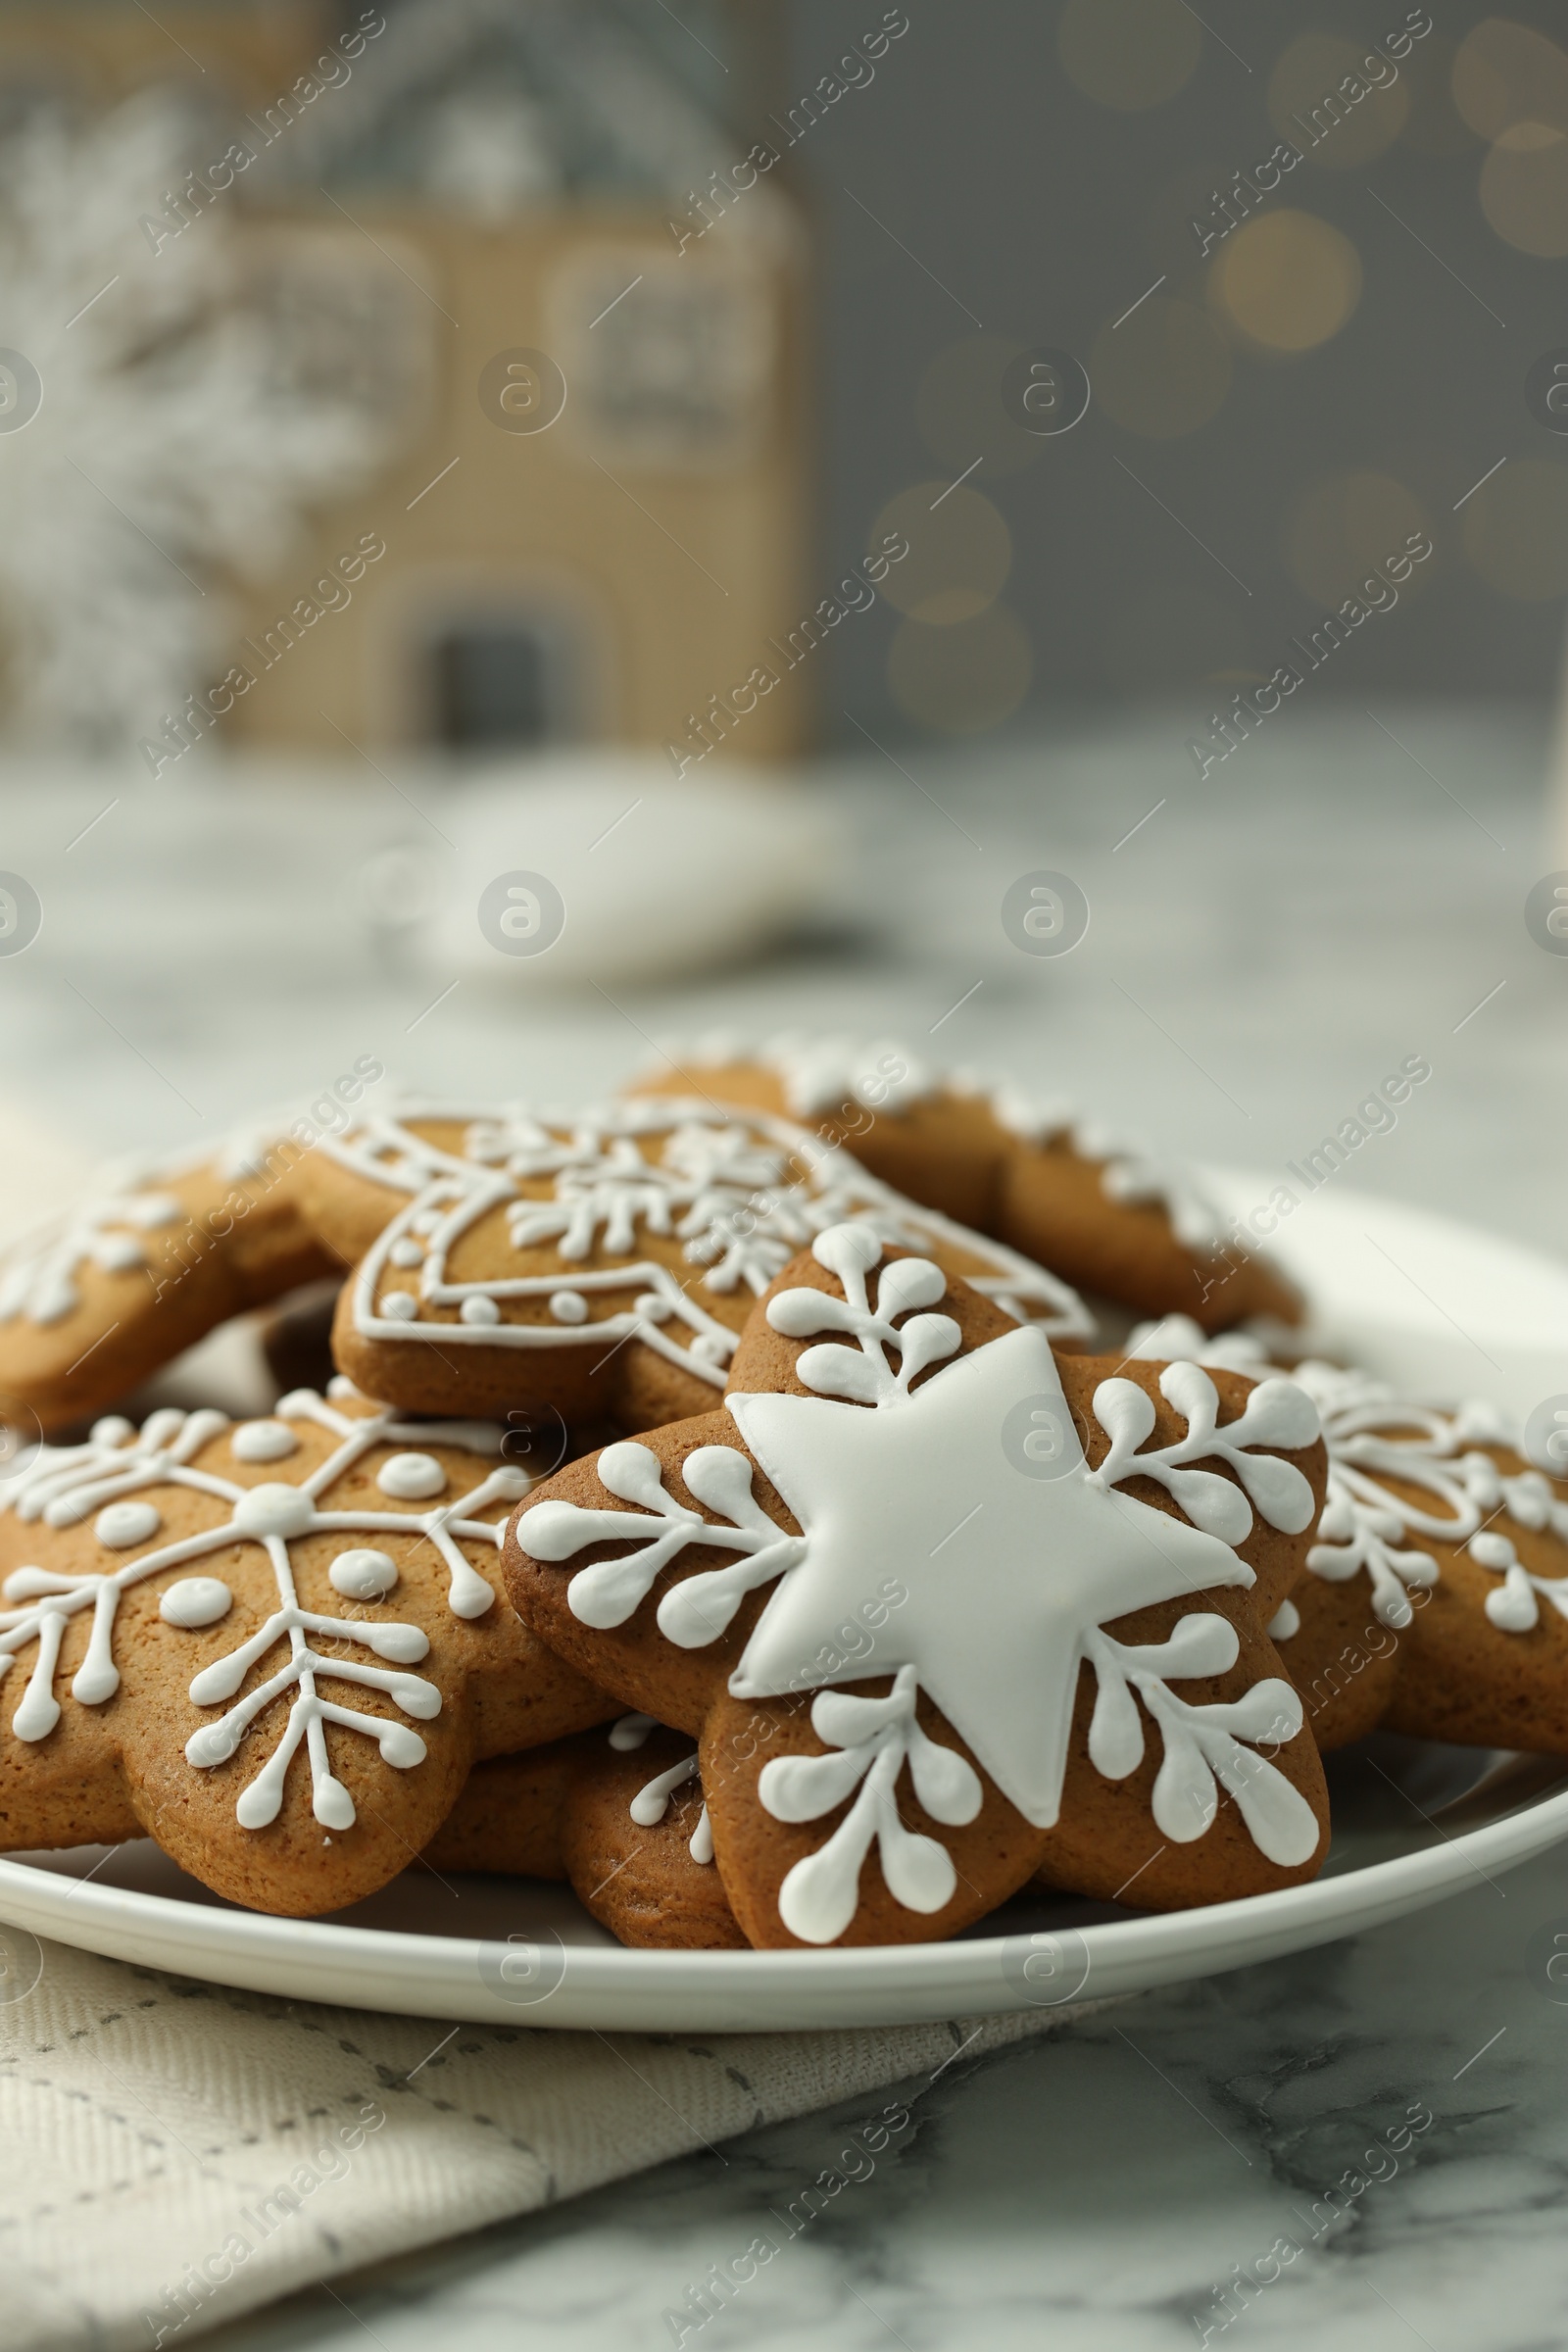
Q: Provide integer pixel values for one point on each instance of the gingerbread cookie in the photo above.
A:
(1097, 1210)
(271, 1646)
(509, 1817)
(1009, 1559)
(601, 1264)
(92, 1306)
(1420, 1607)
(620, 1815)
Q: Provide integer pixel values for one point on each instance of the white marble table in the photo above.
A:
(1260, 951)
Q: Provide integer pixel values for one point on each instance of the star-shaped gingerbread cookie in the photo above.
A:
(925, 1592)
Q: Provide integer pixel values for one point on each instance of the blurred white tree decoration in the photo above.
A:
(163, 458)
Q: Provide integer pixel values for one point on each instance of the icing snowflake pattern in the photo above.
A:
(1379, 1443)
(66, 1484)
(720, 1183)
(1002, 1612)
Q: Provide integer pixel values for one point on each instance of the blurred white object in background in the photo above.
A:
(601, 866)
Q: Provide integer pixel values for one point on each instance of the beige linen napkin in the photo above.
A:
(174, 2153)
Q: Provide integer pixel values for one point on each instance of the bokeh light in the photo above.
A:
(1129, 54)
(1163, 372)
(961, 553)
(965, 679)
(1343, 526)
(958, 408)
(1524, 189)
(1311, 100)
(1434, 125)
(1287, 281)
(1505, 74)
(1516, 530)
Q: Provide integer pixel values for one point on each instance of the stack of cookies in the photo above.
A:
(749, 1498)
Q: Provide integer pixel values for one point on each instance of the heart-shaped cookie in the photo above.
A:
(603, 1262)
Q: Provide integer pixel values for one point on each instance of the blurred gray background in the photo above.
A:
(1034, 170)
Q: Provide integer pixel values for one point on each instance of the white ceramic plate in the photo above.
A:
(1414, 1822)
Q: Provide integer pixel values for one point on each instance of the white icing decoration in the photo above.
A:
(652, 1803)
(65, 1484)
(1001, 1613)
(1374, 1436)
(631, 1731)
(1286, 1622)
(195, 1600)
(363, 1575)
(719, 1181)
(411, 1476)
(39, 1281)
(121, 1526)
(406, 1253)
(264, 1442)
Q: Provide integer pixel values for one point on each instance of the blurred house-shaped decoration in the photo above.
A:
(519, 239)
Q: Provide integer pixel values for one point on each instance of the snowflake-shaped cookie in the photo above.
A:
(1021, 1557)
(190, 1608)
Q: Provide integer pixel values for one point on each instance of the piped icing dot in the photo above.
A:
(400, 1305)
(410, 1477)
(406, 1253)
(479, 1310)
(568, 1307)
(652, 1308)
(196, 1600)
(121, 1524)
(264, 1442)
(426, 1221)
(363, 1575)
(112, 1430)
(274, 1510)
